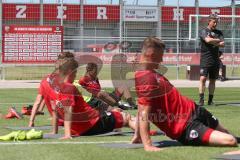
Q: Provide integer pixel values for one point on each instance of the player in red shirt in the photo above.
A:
(91, 83)
(42, 97)
(79, 117)
(161, 103)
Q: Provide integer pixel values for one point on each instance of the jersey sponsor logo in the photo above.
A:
(213, 34)
(193, 134)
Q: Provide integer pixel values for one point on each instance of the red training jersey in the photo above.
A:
(170, 111)
(91, 85)
(84, 116)
(45, 91)
(49, 89)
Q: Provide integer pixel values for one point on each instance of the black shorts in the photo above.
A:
(212, 72)
(199, 128)
(97, 104)
(115, 96)
(105, 124)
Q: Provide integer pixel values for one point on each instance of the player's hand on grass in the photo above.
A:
(149, 148)
(66, 137)
(31, 124)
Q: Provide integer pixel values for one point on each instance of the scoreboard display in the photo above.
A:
(31, 44)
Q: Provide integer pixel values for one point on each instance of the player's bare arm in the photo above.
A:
(214, 41)
(67, 122)
(221, 44)
(144, 128)
(35, 108)
(211, 40)
(54, 119)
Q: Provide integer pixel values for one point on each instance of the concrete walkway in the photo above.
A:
(109, 84)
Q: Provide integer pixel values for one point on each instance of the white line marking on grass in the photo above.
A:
(41, 143)
(18, 103)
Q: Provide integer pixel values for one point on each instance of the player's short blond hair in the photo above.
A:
(62, 57)
(69, 64)
(153, 42)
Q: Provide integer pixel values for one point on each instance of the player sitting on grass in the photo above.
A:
(91, 83)
(162, 104)
(39, 103)
(42, 97)
(79, 117)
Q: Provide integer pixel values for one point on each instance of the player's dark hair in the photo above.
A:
(91, 66)
(65, 55)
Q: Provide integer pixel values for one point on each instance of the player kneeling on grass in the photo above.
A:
(161, 103)
(79, 117)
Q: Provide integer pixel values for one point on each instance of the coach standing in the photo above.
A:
(211, 39)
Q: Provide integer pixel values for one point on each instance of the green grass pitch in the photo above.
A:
(228, 116)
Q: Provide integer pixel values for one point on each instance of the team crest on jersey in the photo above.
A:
(193, 134)
(213, 34)
(59, 104)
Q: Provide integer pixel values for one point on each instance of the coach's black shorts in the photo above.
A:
(105, 124)
(212, 72)
(199, 128)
